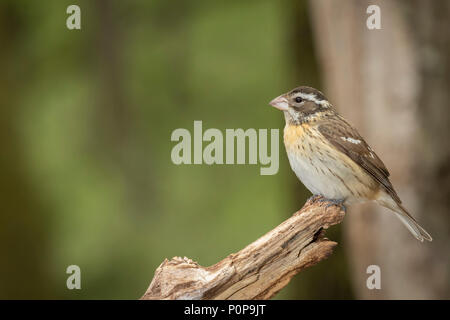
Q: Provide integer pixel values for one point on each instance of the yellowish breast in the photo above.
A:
(293, 134)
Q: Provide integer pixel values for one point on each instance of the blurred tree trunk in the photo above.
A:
(393, 85)
(115, 133)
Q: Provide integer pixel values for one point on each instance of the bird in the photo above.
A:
(332, 160)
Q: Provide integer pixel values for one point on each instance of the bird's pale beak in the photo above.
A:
(280, 103)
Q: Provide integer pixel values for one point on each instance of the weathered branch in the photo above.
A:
(259, 270)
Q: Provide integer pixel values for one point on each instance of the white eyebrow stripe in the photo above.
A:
(355, 141)
(312, 97)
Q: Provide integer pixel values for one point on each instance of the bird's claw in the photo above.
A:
(314, 197)
(329, 202)
(334, 202)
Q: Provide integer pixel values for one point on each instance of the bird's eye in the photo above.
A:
(298, 99)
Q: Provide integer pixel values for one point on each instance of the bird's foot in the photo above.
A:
(314, 198)
(334, 202)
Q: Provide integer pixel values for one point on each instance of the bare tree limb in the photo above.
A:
(259, 270)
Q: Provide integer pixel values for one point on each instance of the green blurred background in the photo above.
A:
(86, 117)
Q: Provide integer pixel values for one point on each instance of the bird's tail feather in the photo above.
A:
(418, 232)
(408, 220)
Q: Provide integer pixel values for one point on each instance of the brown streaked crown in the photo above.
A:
(308, 91)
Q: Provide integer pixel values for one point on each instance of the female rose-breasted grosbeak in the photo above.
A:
(332, 160)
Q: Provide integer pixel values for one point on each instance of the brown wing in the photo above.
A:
(347, 140)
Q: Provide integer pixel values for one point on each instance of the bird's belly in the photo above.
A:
(316, 176)
(323, 171)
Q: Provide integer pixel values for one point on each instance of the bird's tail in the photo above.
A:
(418, 232)
(412, 225)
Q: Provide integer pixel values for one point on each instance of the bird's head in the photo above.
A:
(301, 104)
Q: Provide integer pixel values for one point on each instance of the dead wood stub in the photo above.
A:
(259, 270)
